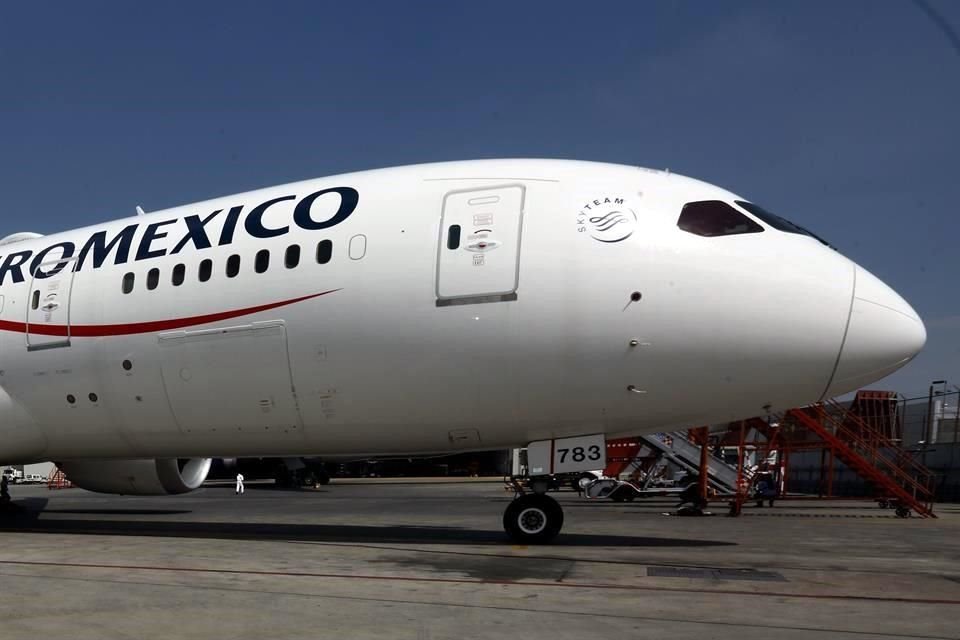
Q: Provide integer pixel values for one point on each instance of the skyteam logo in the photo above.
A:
(607, 219)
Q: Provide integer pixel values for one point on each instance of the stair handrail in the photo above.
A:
(875, 456)
(903, 462)
(858, 444)
(897, 475)
(922, 506)
(861, 424)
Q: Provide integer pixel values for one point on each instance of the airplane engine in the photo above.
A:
(151, 477)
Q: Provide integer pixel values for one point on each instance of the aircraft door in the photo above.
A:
(479, 246)
(48, 309)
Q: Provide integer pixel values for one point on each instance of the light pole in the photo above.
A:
(956, 420)
(929, 422)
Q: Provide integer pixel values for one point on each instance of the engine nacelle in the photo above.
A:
(159, 477)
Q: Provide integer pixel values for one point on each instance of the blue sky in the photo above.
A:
(844, 116)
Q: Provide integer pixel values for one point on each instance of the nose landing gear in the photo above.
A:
(533, 518)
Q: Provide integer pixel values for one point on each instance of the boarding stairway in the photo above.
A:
(58, 480)
(868, 452)
(626, 453)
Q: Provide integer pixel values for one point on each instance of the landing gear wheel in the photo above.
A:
(533, 519)
(903, 512)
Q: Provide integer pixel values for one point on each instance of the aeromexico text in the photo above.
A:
(155, 241)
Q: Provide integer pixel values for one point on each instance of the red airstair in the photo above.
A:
(864, 435)
(880, 410)
(870, 453)
(58, 480)
(621, 453)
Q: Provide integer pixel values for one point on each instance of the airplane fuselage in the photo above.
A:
(429, 308)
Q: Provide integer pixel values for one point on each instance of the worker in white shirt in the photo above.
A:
(239, 484)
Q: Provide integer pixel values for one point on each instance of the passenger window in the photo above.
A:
(358, 247)
(292, 258)
(179, 274)
(128, 282)
(206, 270)
(36, 299)
(262, 262)
(713, 218)
(233, 266)
(153, 279)
(324, 251)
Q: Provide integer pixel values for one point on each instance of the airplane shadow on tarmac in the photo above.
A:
(26, 518)
(121, 512)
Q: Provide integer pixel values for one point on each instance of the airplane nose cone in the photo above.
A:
(883, 334)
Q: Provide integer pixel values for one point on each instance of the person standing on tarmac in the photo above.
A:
(239, 484)
(766, 487)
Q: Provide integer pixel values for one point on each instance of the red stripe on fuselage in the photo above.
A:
(104, 330)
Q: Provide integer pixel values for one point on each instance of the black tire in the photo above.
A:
(324, 480)
(903, 512)
(533, 519)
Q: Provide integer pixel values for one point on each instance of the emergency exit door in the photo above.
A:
(479, 246)
(48, 309)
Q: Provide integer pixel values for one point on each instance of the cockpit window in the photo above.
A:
(715, 218)
(775, 221)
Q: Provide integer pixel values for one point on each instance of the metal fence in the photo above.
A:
(932, 419)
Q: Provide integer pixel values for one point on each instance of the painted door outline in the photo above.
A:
(489, 238)
(187, 373)
(55, 301)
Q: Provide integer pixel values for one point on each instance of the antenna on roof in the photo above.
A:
(140, 211)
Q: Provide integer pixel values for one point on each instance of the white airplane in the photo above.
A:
(425, 309)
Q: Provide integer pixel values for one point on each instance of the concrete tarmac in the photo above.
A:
(430, 561)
